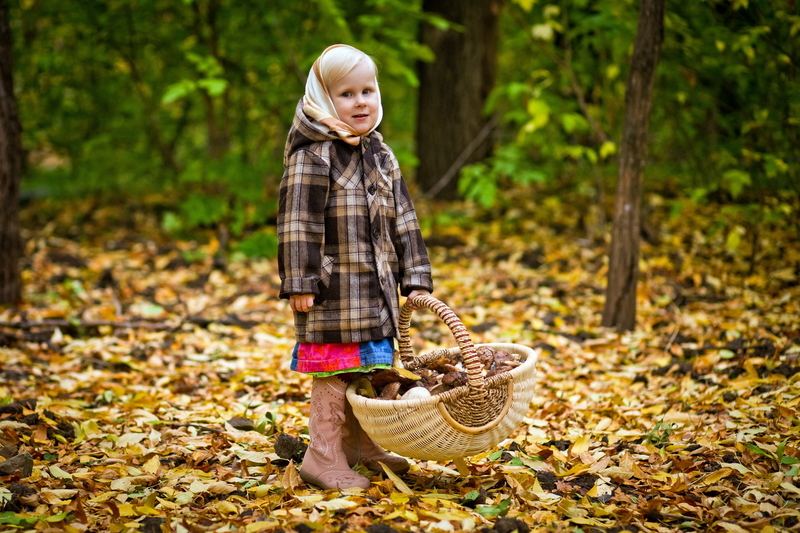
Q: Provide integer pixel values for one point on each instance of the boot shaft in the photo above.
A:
(325, 463)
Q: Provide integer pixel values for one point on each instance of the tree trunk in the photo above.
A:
(451, 128)
(623, 268)
(10, 170)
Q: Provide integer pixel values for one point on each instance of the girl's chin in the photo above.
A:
(362, 127)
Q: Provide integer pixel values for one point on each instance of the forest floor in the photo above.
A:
(131, 372)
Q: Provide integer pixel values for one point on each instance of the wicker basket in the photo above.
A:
(461, 422)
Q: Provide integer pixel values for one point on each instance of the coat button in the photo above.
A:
(372, 189)
(376, 233)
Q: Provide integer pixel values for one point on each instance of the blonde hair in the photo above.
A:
(338, 60)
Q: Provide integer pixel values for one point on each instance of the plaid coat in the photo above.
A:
(348, 234)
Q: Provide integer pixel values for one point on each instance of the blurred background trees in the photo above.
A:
(182, 106)
(187, 103)
(137, 97)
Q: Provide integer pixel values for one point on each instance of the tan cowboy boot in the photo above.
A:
(325, 463)
(360, 448)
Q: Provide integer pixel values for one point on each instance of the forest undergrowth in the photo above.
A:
(143, 389)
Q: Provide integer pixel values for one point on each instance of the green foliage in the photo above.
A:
(191, 100)
(778, 456)
(659, 434)
(18, 520)
(493, 511)
(262, 243)
(557, 93)
(727, 96)
(726, 103)
(267, 425)
(483, 181)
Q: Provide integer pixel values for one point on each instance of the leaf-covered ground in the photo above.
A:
(132, 371)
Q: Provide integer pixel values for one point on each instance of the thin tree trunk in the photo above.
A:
(623, 269)
(453, 90)
(10, 170)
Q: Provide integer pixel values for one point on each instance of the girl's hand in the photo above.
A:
(301, 302)
(414, 294)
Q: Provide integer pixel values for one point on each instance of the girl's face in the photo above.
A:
(356, 98)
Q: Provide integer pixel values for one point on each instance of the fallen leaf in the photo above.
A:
(291, 478)
(399, 484)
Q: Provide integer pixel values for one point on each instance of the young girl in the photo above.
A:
(348, 240)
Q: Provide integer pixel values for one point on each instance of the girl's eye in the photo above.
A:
(347, 94)
(366, 91)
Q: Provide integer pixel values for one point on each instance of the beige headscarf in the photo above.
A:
(317, 102)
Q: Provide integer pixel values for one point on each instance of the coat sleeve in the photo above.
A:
(415, 267)
(301, 223)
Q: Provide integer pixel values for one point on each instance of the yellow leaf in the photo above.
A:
(104, 497)
(514, 483)
(291, 479)
(656, 409)
(587, 521)
(733, 528)
(220, 487)
(257, 527)
(407, 374)
(581, 444)
(402, 499)
(147, 510)
(790, 488)
(714, 477)
(253, 457)
(681, 418)
(126, 509)
(129, 439)
(152, 465)
(408, 514)
(125, 483)
(336, 504)
(749, 365)
(57, 472)
(198, 486)
(785, 274)
(227, 509)
(603, 424)
(608, 148)
(452, 514)
(55, 496)
(166, 504)
(399, 484)
(628, 464)
(663, 476)
(525, 4)
(364, 388)
(600, 488)
(577, 469)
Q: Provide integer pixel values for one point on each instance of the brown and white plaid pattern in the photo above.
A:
(348, 234)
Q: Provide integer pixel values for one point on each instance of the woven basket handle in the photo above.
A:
(472, 363)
